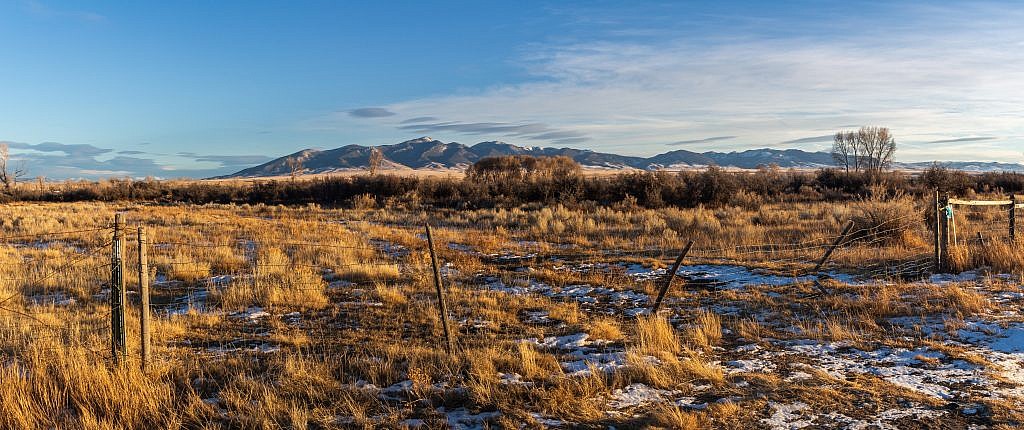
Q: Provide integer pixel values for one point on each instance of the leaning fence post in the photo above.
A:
(830, 250)
(671, 276)
(441, 307)
(144, 295)
(118, 341)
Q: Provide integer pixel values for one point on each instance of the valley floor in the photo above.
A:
(274, 317)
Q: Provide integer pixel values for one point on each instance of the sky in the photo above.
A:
(199, 88)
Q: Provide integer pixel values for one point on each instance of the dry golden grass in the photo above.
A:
(706, 332)
(605, 329)
(654, 335)
(321, 355)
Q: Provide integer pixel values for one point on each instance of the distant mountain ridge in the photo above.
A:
(428, 153)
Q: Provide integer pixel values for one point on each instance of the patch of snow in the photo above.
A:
(195, 301)
(946, 278)
(538, 317)
(898, 366)
(562, 342)
(750, 366)
(512, 379)
(251, 314)
(607, 362)
(412, 423)
(462, 419)
(547, 422)
(638, 395)
(461, 248)
(393, 250)
(787, 416)
(56, 298)
(728, 277)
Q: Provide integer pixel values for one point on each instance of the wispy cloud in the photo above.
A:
(38, 8)
(370, 112)
(233, 161)
(704, 140)
(419, 119)
(812, 139)
(60, 160)
(945, 71)
(532, 131)
(965, 139)
(70, 150)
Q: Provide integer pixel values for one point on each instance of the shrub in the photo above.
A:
(886, 221)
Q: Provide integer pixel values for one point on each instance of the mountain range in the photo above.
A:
(428, 153)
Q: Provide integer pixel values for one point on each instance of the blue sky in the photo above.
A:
(196, 88)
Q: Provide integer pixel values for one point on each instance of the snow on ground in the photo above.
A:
(462, 419)
(56, 298)
(636, 303)
(252, 314)
(193, 301)
(580, 354)
(789, 416)
(635, 395)
(726, 277)
(920, 369)
(393, 250)
(262, 348)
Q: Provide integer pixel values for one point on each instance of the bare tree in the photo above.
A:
(295, 167)
(9, 175)
(376, 160)
(843, 151)
(877, 147)
(870, 149)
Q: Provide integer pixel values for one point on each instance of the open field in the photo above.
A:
(307, 317)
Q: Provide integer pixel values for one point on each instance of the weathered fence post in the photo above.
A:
(839, 241)
(144, 295)
(671, 276)
(1013, 219)
(828, 253)
(118, 340)
(255, 264)
(938, 232)
(944, 214)
(442, 308)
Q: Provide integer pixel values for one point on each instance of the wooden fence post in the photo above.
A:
(118, 340)
(441, 307)
(839, 241)
(255, 264)
(144, 294)
(828, 253)
(938, 232)
(671, 276)
(944, 215)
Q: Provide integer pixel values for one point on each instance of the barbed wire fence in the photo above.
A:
(34, 310)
